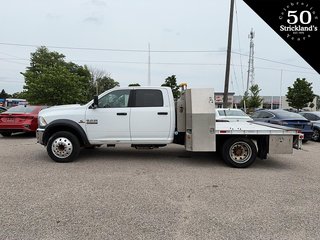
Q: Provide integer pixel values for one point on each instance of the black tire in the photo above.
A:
(304, 141)
(239, 152)
(316, 135)
(6, 134)
(63, 147)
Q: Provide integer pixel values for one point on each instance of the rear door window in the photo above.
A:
(268, 115)
(148, 98)
(256, 115)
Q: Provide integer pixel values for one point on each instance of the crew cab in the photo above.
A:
(149, 117)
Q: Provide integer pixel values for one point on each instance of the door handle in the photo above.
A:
(122, 114)
(162, 113)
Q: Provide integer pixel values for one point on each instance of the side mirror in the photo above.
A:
(95, 102)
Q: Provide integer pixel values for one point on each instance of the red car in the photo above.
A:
(22, 118)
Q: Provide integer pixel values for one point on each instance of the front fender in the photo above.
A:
(65, 125)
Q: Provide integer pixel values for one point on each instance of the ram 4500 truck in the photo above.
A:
(149, 117)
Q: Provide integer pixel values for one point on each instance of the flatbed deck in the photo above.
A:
(253, 128)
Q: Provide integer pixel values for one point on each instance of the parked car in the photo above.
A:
(289, 119)
(231, 115)
(21, 118)
(314, 117)
(2, 109)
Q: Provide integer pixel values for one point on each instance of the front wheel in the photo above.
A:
(239, 152)
(316, 135)
(63, 147)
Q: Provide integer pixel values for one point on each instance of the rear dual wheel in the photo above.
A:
(239, 152)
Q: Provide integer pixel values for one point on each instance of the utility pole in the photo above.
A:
(250, 77)
(97, 86)
(280, 97)
(226, 81)
(149, 66)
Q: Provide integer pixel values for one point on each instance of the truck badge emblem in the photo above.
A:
(92, 121)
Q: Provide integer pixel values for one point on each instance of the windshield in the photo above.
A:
(21, 109)
(316, 113)
(230, 112)
(286, 114)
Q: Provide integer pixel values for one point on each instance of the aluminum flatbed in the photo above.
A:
(253, 128)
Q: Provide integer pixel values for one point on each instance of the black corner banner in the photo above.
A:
(296, 22)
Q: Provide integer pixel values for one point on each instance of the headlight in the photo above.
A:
(42, 122)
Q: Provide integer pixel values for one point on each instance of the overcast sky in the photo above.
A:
(168, 25)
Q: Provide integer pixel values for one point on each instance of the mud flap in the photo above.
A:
(263, 147)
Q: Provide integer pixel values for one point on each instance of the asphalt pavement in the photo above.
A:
(167, 193)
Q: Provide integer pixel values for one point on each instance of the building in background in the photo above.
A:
(218, 96)
(273, 102)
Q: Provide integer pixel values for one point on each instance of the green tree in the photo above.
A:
(134, 85)
(101, 81)
(21, 95)
(254, 100)
(51, 80)
(171, 82)
(3, 94)
(300, 94)
(105, 83)
(244, 101)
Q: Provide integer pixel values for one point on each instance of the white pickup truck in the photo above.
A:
(149, 117)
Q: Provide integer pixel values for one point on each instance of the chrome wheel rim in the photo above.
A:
(62, 147)
(240, 152)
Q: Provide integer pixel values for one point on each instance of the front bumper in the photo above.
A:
(39, 135)
(307, 135)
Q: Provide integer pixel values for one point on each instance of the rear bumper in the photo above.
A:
(16, 128)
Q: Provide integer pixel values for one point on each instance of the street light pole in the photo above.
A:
(280, 97)
(226, 82)
(149, 66)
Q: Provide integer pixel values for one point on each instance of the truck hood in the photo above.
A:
(74, 112)
(65, 110)
(61, 108)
